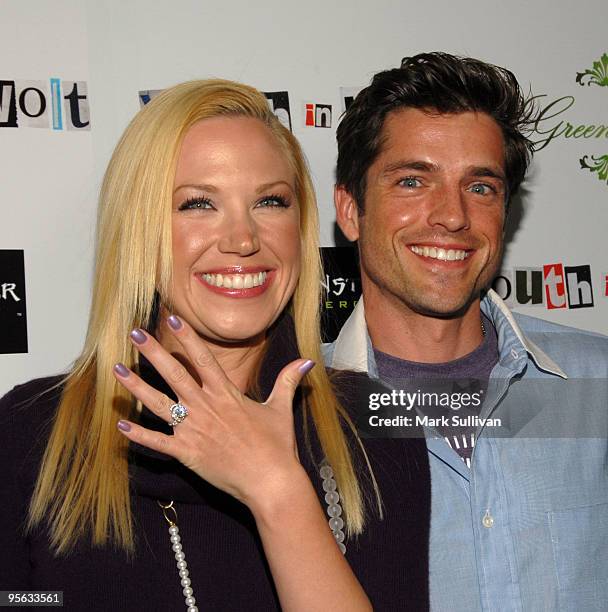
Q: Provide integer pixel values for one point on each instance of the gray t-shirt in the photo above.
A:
(468, 374)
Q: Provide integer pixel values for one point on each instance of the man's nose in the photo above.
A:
(239, 235)
(450, 209)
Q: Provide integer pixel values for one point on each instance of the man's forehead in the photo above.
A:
(410, 129)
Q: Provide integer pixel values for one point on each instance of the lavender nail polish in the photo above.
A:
(122, 370)
(174, 323)
(307, 366)
(123, 426)
(138, 336)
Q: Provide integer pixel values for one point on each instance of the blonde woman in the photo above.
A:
(206, 295)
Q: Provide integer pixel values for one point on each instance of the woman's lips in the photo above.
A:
(238, 284)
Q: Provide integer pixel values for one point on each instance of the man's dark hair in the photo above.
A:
(441, 83)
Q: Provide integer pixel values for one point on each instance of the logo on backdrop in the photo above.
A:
(598, 75)
(317, 115)
(596, 163)
(552, 286)
(279, 105)
(549, 124)
(13, 319)
(549, 127)
(54, 104)
(146, 95)
(341, 288)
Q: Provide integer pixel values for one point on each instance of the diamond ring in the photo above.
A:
(178, 413)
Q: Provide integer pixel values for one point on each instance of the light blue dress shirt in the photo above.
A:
(525, 529)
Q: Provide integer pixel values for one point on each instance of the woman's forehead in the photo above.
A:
(228, 147)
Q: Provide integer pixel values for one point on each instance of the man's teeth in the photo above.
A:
(443, 254)
(236, 281)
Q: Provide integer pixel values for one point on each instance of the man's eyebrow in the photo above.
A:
(486, 171)
(409, 164)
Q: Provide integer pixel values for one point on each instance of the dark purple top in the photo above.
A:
(222, 547)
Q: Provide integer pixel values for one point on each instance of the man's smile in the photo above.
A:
(440, 253)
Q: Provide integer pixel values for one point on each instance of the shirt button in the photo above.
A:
(514, 353)
(487, 520)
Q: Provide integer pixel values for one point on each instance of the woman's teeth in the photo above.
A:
(236, 281)
(436, 253)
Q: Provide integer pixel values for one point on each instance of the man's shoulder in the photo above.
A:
(555, 332)
(576, 350)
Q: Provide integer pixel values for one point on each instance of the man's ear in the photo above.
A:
(347, 213)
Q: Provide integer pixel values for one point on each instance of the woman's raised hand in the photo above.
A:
(245, 448)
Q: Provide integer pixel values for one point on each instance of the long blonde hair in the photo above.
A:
(83, 482)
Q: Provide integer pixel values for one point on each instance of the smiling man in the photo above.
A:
(429, 158)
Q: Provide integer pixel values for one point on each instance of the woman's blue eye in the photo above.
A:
(196, 203)
(410, 181)
(273, 201)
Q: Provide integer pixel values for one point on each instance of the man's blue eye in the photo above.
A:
(481, 189)
(410, 181)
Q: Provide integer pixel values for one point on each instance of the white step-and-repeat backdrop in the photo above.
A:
(73, 73)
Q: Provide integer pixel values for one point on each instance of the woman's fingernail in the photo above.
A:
(138, 336)
(307, 366)
(174, 323)
(124, 426)
(121, 369)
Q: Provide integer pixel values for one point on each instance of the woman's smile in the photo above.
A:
(245, 282)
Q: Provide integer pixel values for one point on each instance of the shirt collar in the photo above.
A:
(351, 345)
(353, 350)
(496, 310)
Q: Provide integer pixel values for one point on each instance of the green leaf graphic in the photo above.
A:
(598, 75)
(597, 164)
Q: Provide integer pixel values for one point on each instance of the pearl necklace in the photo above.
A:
(180, 557)
(334, 511)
